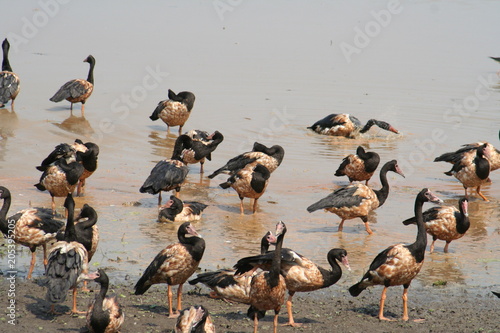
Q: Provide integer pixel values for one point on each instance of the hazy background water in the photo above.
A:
(261, 71)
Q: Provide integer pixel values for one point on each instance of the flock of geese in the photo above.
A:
(261, 281)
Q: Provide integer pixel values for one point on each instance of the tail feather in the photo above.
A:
(216, 172)
(411, 220)
(225, 185)
(57, 289)
(316, 206)
(141, 286)
(60, 95)
(252, 311)
(156, 113)
(356, 289)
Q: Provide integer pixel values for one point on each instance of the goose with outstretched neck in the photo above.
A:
(398, 264)
(346, 125)
(357, 200)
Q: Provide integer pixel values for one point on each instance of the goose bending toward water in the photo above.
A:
(346, 125)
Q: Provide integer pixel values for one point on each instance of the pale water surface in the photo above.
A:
(261, 71)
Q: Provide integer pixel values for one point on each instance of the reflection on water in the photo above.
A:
(76, 125)
(241, 93)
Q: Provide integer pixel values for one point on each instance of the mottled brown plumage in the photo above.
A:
(473, 173)
(468, 152)
(359, 167)
(78, 90)
(32, 227)
(104, 314)
(267, 288)
(201, 147)
(249, 182)
(400, 263)
(176, 110)
(445, 223)
(87, 155)
(174, 265)
(195, 319)
(228, 285)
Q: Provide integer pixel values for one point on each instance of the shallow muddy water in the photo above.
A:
(261, 72)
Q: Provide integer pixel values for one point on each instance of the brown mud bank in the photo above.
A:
(445, 309)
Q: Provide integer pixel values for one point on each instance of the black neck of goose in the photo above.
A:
(3, 215)
(90, 77)
(182, 142)
(274, 272)
(463, 222)
(195, 246)
(417, 249)
(482, 166)
(5, 62)
(70, 232)
(264, 245)
(331, 277)
(91, 216)
(383, 193)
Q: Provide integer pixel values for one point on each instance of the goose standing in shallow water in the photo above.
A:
(31, 227)
(473, 173)
(77, 90)
(201, 148)
(347, 125)
(271, 158)
(169, 174)
(249, 182)
(9, 81)
(400, 263)
(176, 110)
(359, 167)
(176, 210)
(104, 313)
(445, 222)
(357, 200)
(68, 260)
(61, 176)
(174, 265)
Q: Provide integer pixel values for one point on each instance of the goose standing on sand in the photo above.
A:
(174, 265)
(271, 158)
(168, 175)
(104, 314)
(267, 288)
(175, 110)
(176, 210)
(359, 167)
(473, 173)
(400, 263)
(301, 274)
(68, 260)
(445, 222)
(61, 176)
(228, 286)
(347, 125)
(87, 233)
(31, 227)
(77, 90)
(357, 200)
(249, 182)
(201, 148)
(195, 319)
(9, 81)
